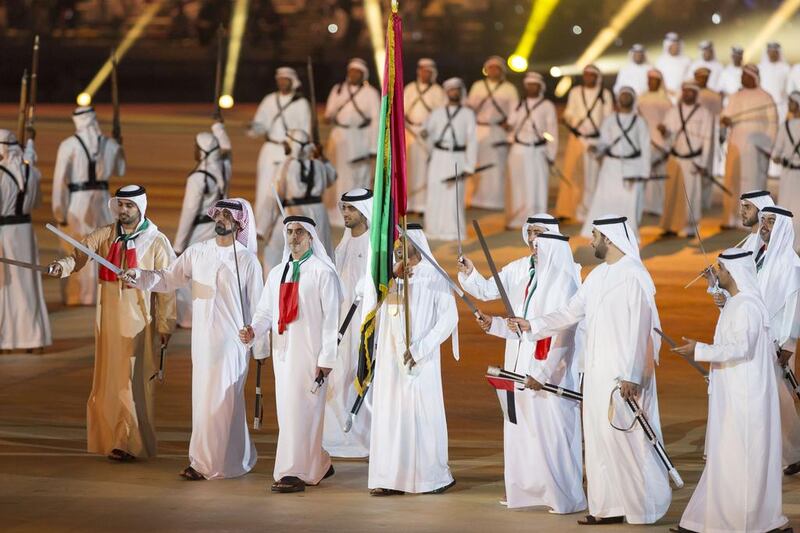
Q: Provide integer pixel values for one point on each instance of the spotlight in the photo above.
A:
(517, 63)
(540, 13)
(555, 72)
(84, 99)
(577, 30)
(333, 28)
(716, 18)
(226, 101)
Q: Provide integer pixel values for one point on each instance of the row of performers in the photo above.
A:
(603, 328)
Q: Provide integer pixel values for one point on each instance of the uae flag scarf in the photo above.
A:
(290, 293)
(124, 245)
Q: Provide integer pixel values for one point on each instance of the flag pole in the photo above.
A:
(406, 310)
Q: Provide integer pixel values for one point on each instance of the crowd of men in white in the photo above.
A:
(683, 133)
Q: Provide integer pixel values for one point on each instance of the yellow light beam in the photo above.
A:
(238, 24)
(540, 13)
(372, 13)
(778, 18)
(85, 98)
(629, 11)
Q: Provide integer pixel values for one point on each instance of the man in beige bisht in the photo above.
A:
(129, 325)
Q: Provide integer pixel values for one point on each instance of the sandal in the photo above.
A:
(190, 474)
(595, 521)
(385, 492)
(121, 456)
(288, 484)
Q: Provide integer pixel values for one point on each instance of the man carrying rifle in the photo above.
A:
(130, 322)
(225, 277)
(351, 264)
(740, 489)
(84, 164)
(625, 480)
(25, 324)
(542, 450)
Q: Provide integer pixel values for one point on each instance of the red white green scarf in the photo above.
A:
(124, 246)
(290, 293)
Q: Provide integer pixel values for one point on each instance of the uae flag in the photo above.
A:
(505, 394)
(389, 197)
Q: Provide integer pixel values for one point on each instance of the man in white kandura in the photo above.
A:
(542, 450)
(689, 132)
(300, 183)
(751, 119)
(25, 324)
(653, 106)
(778, 270)
(283, 110)
(588, 105)
(711, 100)
(634, 72)
(730, 81)
(224, 286)
(204, 187)
(534, 146)
(750, 205)
(740, 488)
(492, 98)
(420, 98)
(453, 144)
(84, 164)
(673, 64)
(786, 153)
(624, 148)
(774, 72)
(408, 448)
(130, 323)
(708, 59)
(300, 307)
(352, 109)
(625, 479)
(351, 264)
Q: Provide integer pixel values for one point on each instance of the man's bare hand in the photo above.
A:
(398, 270)
(784, 356)
(687, 350)
(484, 321)
(324, 370)
(719, 298)
(518, 325)
(662, 129)
(726, 121)
(54, 269)
(246, 334)
(165, 337)
(408, 359)
(465, 266)
(629, 390)
(531, 383)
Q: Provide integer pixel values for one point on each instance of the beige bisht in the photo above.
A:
(121, 408)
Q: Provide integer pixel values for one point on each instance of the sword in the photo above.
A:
(116, 130)
(278, 200)
(458, 218)
(697, 366)
(160, 372)
(497, 372)
(348, 424)
(493, 268)
(347, 319)
(81, 247)
(788, 373)
(23, 264)
(464, 175)
(456, 289)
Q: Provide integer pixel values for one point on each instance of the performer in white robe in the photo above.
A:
(588, 105)
(204, 187)
(730, 80)
(300, 184)
(750, 205)
(25, 324)
(453, 144)
(752, 122)
(220, 446)
(492, 98)
(84, 164)
(542, 450)
(712, 101)
(283, 110)
(634, 72)
(673, 64)
(225, 151)
(351, 264)
(774, 74)
(353, 108)
(300, 307)
(420, 98)
(625, 478)
(653, 106)
(624, 147)
(129, 325)
(740, 488)
(408, 448)
(708, 59)
(689, 131)
(786, 153)
(779, 281)
(534, 146)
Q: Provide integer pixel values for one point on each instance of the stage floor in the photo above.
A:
(49, 483)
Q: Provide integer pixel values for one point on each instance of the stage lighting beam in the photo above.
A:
(372, 13)
(540, 14)
(787, 9)
(238, 25)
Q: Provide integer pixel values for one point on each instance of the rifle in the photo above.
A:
(218, 77)
(312, 93)
(33, 89)
(116, 131)
(23, 106)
